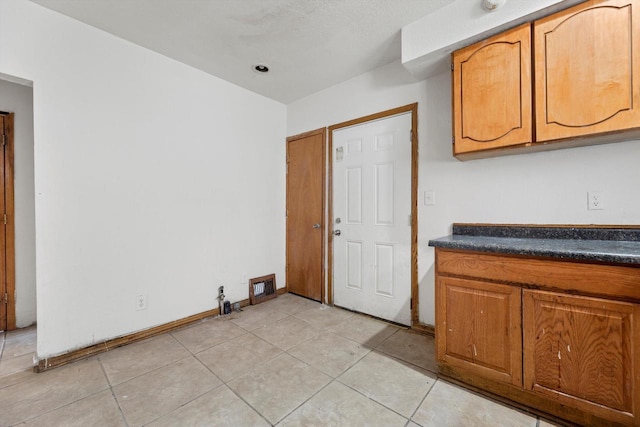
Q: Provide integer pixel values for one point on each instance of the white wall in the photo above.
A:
(545, 188)
(151, 178)
(18, 99)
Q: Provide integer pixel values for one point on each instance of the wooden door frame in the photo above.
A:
(323, 133)
(413, 109)
(9, 205)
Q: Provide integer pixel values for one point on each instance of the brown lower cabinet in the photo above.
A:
(483, 331)
(542, 333)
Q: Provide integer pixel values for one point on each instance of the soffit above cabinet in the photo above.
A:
(427, 43)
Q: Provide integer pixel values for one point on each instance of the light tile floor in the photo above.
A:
(285, 362)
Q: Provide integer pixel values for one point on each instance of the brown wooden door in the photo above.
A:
(7, 227)
(305, 214)
(587, 67)
(479, 326)
(583, 352)
(3, 269)
(492, 92)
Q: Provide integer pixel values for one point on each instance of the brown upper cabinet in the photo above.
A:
(586, 68)
(586, 79)
(492, 92)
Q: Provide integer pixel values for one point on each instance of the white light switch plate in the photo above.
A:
(429, 198)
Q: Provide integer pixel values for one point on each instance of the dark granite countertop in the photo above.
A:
(599, 244)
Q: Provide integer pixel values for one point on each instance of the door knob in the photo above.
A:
(316, 226)
(337, 232)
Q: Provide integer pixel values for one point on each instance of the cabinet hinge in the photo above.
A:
(4, 218)
(6, 298)
(3, 140)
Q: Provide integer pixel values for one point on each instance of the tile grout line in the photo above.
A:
(190, 355)
(223, 383)
(246, 403)
(309, 398)
(113, 394)
(184, 404)
(373, 400)
(391, 356)
(57, 408)
(283, 351)
(400, 359)
(415, 411)
(336, 379)
(326, 330)
(69, 403)
(152, 370)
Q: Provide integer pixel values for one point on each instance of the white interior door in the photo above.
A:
(372, 211)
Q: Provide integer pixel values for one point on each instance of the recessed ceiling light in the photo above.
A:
(260, 68)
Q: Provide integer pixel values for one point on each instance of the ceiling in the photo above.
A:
(308, 45)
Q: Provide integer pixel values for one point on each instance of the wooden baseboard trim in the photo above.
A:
(421, 328)
(85, 352)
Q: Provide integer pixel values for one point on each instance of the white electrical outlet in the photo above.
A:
(141, 302)
(244, 278)
(595, 200)
(429, 198)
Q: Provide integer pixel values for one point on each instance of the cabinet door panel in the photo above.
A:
(585, 64)
(480, 327)
(581, 350)
(492, 92)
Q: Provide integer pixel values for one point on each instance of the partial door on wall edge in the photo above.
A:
(7, 229)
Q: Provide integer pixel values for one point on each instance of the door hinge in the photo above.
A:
(452, 66)
(5, 218)
(453, 139)
(6, 298)
(3, 140)
(410, 303)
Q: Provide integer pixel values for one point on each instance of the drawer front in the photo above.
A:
(591, 279)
